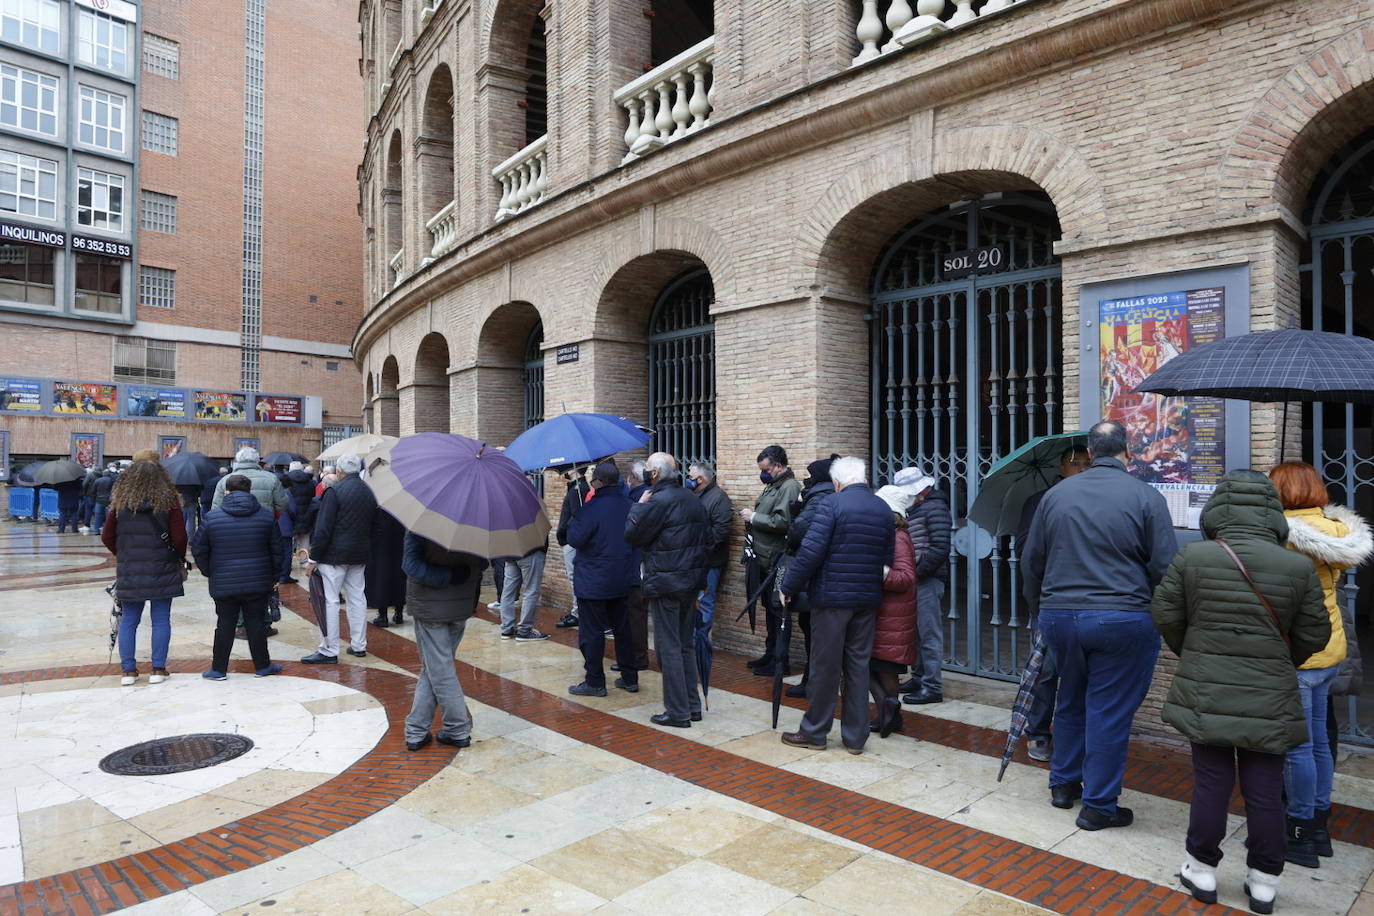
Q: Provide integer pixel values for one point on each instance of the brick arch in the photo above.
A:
(498, 387)
(1299, 123)
(388, 417)
(859, 212)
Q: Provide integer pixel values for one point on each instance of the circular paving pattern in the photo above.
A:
(175, 755)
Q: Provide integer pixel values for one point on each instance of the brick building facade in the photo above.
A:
(240, 210)
(817, 169)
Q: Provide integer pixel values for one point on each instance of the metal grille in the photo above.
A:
(533, 376)
(157, 212)
(1338, 283)
(161, 56)
(160, 133)
(682, 369)
(333, 435)
(175, 755)
(157, 287)
(254, 29)
(963, 372)
(142, 360)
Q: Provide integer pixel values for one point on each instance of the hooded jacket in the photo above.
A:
(441, 585)
(1236, 684)
(840, 563)
(673, 532)
(1334, 539)
(266, 487)
(237, 548)
(300, 489)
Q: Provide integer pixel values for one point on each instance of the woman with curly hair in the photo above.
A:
(146, 532)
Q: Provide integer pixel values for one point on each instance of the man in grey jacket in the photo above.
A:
(266, 487)
(1097, 547)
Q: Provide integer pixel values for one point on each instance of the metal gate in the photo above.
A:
(682, 369)
(533, 377)
(966, 364)
(1338, 281)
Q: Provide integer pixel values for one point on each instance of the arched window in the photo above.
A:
(435, 149)
(393, 251)
(429, 390)
(536, 83)
(678, 25)
(682, 369)
(533, 376)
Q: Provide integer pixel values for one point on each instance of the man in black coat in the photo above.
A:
(100, 493)
(68, 502)
(340, 545)
(605, 569)
(701, 479)
(236, 547)
(930, 525)
(816, 489)
(670, 526)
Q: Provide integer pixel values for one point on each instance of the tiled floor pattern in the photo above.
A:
(584, 828)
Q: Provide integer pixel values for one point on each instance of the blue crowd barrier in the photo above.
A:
(21, 502)
(47, 504)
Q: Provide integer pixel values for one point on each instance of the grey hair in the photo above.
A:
(703, 469)
(664, 464)
(349, 464)
(848, 470)
(246, 455)
(637, 469)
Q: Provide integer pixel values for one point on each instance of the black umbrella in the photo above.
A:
(706, 654)
(63, 470)
(189, 469)
(273, 459)
(24, 476)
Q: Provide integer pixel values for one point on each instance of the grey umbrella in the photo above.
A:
(63, 470)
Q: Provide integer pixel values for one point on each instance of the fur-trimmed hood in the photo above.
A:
(1345, 552)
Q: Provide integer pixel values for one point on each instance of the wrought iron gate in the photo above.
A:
(965, 370)
(1338, 281)
(682, 369)
(533, 377)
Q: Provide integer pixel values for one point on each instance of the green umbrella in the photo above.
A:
(1010, 482)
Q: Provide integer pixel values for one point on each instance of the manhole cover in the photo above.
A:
(175, 755)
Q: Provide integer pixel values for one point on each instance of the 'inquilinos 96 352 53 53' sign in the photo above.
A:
(107, 247)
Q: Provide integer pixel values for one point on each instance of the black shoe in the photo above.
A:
(357, 653)
(797, 692)
(272, 631)
(910, 685)
(771, 671)
(566, 621)
(922, 699)
(1065, 794)
(381, 621)
(508, 633)
(529, 634)
(759, 662)
(1301, 849)
(396, 618)
(586, 690)
(319, 658)
(1097, 819)
(416, 745)
(630, 688)
(696, 716)
(616, 668)
(453, 742)
(1321, 837)
(664, 719)
(890, 714)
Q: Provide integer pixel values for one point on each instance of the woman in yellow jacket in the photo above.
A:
(1334, 539)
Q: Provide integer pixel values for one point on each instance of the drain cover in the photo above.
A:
(175, 755)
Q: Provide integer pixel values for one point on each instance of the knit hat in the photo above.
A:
(819, 471)
(898, 498)
(913, 480)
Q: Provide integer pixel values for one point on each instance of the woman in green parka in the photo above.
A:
(1235, 693)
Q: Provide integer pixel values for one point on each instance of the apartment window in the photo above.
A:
(99, 283)
(158, 212)
(100, 200)
(159, 133)
(102, 119)
(161, 56)
(28, 100)
(102, 41)
(36, 23)
(157, 287)
(28, 185)
(26, 273)
(141, 360)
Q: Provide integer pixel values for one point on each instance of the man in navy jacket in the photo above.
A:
(840, 565)
(237, 547)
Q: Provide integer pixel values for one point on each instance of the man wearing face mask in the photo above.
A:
(578, 488)
(670, 526)
(768, 522)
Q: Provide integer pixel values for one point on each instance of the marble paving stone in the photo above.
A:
(696, 830)
(618, 797)
(178, 821)
(9, 830)
(637, 860)
(274, 877)
(454, 799)
(783, 857)
(1033, 822)
(988, 903)
(765, 747)
(544, 776)
(52, 854)
(385, 832)
(517, 891)
(182, 903)
(435, 868)
(271, 787)
(493, 754)
(929, 793)
(342, 891)
(534, 830)
(142, 797)
(56, 820)
(596, 757)
(11, 864)
(864, 888)
(702, 888)
(842, 769)
(551, 742)
(801, 906)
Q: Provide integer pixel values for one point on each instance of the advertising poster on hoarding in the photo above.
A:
(88, 449)
(4, 456)
(1177, 444)
(84, 398)
(269, 408)
(170, 446)
(245, 443)
(20, 394)
(147, 401)
(221, 405)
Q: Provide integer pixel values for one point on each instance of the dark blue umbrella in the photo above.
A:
(575, 438)
(706, 653)
(190, 469)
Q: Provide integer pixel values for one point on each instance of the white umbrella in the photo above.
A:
(357, 445)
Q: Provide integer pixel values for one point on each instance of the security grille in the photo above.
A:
(160, 133)
(964, 371)
(682, 369)
(138, 359)
(534, 376)
(157, 212)
(254, 30)
(161, 56)
(157, 287)
(333, 435)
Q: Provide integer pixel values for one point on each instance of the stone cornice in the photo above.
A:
(812, 116)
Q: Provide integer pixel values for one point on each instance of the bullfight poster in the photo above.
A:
(221, 405)
(1177, 444)
(84, 398)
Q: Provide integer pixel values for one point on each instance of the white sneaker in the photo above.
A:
(157, 678)
(128, 680)
(1200, 879)
(1261, 888)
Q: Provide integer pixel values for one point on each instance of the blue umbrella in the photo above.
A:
(575, 438)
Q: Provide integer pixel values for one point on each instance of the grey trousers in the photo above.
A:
(930, 636)
(438, 682)
(570, 564)
(523, 580)
(674, 623)
(841, 643)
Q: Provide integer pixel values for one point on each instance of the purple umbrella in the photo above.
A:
(456, 492)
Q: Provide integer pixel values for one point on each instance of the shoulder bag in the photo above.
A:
(1255, 588)
(165, 536)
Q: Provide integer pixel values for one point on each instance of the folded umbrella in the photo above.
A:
(706, 654)
(1010, 482)
(1021, 706)
(63, 470)
(189, 469)
(460, 494)
(355, 445)
(116, 611)
(575, 438)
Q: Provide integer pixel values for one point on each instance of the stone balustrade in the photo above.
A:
(427, 13)
(523, 178)
(443, 227)
(902, 25)
(670, 101)
(395, 262)
(395, 57)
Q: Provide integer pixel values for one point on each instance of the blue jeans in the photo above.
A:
(1308, 768)
(706, 602)
(98, 516)
(131, 616)
(1106, 660)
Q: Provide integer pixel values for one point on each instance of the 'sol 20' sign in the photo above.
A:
(986, 260)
